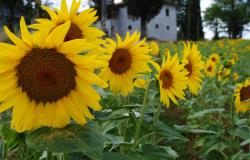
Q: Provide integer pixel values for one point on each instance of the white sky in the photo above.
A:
(204, 4)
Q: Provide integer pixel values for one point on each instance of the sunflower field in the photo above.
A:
(68, 93)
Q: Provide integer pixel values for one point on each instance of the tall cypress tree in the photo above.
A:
(194, 29)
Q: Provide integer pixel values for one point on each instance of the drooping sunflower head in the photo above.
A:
(235, 76)
(242, 96)
(215, 58)
(47, 81)
(210, 69)
(172, 79)
(194, 66)
(128, 59)
(154, 47)
(81, 24)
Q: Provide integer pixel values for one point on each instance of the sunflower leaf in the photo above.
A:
(73, 138)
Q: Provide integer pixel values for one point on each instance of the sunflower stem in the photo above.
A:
(139, 124)
(232, 121)
(156, 119)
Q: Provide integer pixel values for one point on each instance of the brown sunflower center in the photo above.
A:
(209, 69)
(46, 75)
(120, 61)
(167, 79)
(245, 93)
(213, 59)
(189, 68)
(73, 33)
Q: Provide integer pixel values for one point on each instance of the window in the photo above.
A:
(167, 27)
(167, 12)
(129, 27)
(156, 26)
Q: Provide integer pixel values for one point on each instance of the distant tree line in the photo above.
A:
(228, 16)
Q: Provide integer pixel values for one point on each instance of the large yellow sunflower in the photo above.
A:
(194, 65)
(127, 60)
(81, 24)
(242, 96)
(210, 68)
(172, 80)
(45, 80)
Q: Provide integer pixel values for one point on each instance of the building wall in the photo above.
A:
(163, 27)
(126, 23)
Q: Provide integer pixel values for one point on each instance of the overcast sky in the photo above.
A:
(204, 5)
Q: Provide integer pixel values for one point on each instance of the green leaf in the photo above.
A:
(168, 132)
(116, 140)
(190, 129)
(114, 156)
(240, 156)
(11, 138)
(109, 125)
(149, 152)
(245, 142)
(220, 147)
(243, 133)
(73, 138)
(206, 111)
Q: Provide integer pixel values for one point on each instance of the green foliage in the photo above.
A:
(73, 138)
(205, 126)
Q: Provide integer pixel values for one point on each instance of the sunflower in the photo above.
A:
(230, 63)
(220, 73)
(154, 48)
(215, 58)
(242, 96)
(81, 24)
(210, 69)
(46, 81)
(235, 57)
(127, 60)
(172, 79)
(194, 65)
(141, 83)
(226, 72)
(235, 76)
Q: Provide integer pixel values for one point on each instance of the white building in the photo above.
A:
(162, 27)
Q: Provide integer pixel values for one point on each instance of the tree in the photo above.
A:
(194, 29)
(181, 14)
(212, 19)
(189, 20)
(234, 14)
(145, 9)
(14, 8)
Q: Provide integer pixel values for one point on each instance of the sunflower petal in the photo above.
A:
(56, 37)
